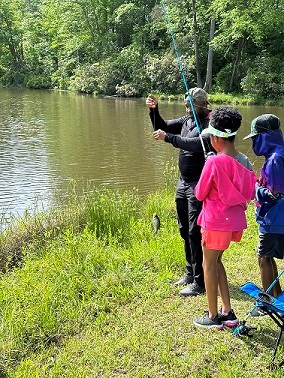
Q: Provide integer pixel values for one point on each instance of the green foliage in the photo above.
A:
(128, 64)
(256, 28)
(107, 77)
(37, 81)
(263, 81)
(222, 80)
(125, 48)
(85, 79)
(163, 73)
(125, 18)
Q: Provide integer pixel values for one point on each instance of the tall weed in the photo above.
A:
(110, 214)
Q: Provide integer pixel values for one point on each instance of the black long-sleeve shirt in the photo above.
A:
(182, 133)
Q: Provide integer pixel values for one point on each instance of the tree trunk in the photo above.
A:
(237, 60)
(196, 49)
(208, 81)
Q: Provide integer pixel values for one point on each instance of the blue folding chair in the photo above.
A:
(274, 307)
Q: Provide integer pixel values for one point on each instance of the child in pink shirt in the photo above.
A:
(225, 187)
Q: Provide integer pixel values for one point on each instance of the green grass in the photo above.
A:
(222, 98)
(107, 214)
(95, 299)
(228, 99)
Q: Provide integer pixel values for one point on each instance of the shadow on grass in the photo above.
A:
(265, 331)
(264, 339)
(238, 294)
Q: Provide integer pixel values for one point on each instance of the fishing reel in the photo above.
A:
(243, 330)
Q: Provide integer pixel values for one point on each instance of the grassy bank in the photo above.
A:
(93, 297)
(229, 99)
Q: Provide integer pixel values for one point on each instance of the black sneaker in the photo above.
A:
(229, 320)
(192, 290)
(184, 281)
(206, 322)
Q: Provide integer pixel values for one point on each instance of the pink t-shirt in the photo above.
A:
(225, 187)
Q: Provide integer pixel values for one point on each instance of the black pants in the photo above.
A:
(188, 209)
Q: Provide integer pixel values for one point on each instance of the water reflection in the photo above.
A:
(49, 139)
(25, 176)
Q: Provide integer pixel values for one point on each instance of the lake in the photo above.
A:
(53, 140)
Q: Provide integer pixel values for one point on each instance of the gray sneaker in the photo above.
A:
(206, 322)
(256, 311)
(184, 281)
(192, 290)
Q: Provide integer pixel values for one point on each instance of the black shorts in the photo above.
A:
(271, 245)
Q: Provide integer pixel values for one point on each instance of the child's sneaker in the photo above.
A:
(206, 322)
(229, 320)
(257, 311)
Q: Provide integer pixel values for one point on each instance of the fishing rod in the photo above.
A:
(189, 98)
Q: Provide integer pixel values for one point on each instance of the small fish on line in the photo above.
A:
(156, 223)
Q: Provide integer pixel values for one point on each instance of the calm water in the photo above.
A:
(51, 139)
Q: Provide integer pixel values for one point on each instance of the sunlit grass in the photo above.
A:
(108, 214)
(93, 297)
(228, 99)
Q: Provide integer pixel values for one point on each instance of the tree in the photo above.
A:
(243, 27)
(208, 81)
(11, 38)
(109, 45)
(196, 46)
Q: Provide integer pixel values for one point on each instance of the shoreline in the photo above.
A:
(216, 98)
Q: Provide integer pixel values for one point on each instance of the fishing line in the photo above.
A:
(189, 98)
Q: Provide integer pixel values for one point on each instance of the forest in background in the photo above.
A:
(124, 48)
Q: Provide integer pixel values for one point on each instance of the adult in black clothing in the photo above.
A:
(183, 133)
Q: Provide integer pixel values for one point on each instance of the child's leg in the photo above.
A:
(269, 246)
(223, 285)
(268, 273)
(210, 258)
(276, 290)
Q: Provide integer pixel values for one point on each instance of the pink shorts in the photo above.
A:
(219, 240)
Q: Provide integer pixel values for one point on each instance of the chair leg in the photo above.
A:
(279, 320)
(277, 344)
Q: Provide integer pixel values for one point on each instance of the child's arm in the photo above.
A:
(274, 170)
(265, 196)
(204, 184)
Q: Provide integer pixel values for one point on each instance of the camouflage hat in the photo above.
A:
(197, 93)
(264, 123)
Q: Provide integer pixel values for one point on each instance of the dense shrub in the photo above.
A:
(164, 73)
(84, 79)
(265, 79)
(38, 81)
